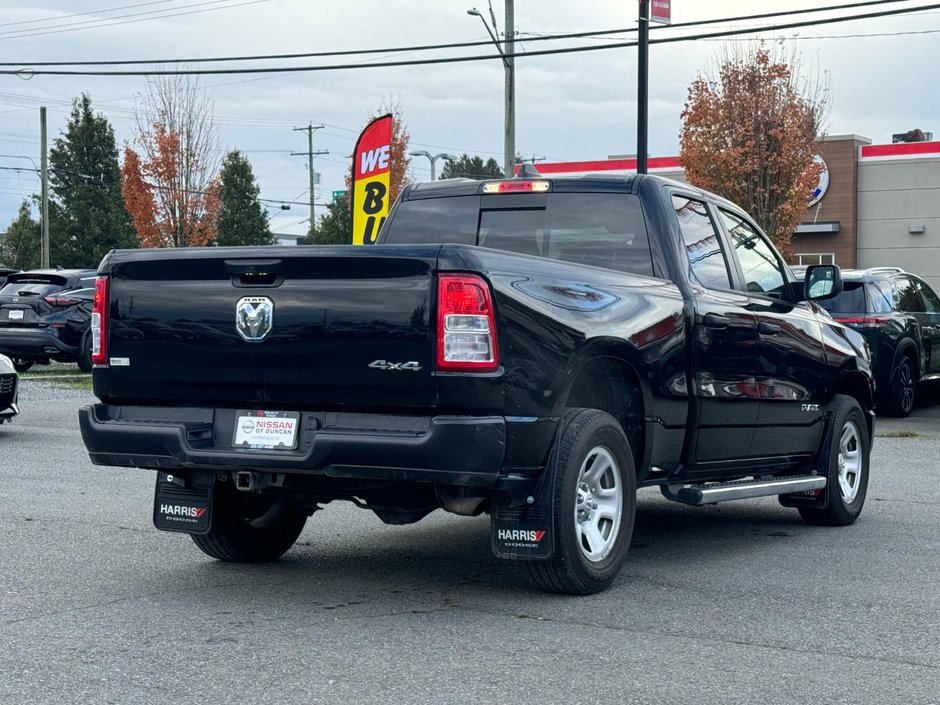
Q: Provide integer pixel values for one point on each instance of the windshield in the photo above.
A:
(598, 229)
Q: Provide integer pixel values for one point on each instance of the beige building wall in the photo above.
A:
(896, 197)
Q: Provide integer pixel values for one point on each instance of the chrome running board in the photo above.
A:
(713, 493)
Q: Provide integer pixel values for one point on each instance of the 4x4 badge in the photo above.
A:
(254, 317)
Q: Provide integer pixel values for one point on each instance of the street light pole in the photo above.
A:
(432, 158)
(506, 52)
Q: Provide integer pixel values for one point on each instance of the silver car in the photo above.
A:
(8, 389)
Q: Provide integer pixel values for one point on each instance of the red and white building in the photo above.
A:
(878, 205)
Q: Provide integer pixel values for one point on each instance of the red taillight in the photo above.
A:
(864, 321)
(99, 323)
(54, 300)
(466, 325)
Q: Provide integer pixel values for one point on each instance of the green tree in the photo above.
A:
(334, 228)
(468, 167)
(88, 214)
(20, 246)
(242, 218)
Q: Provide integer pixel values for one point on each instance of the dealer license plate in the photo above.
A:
(266, 430)
(15, 314)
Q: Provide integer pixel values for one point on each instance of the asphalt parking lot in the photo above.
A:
(735, 603)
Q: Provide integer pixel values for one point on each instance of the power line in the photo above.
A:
(85, 14)
(452, 45)
(28, 73)
(107, 22)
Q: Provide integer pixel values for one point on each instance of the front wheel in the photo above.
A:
(250, 528)
(594, 505)
(846, 461)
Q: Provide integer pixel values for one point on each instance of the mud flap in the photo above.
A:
(522, 523)
(809, 498)
(180, 506)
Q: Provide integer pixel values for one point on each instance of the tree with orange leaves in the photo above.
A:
(170, 187)
(749, 134)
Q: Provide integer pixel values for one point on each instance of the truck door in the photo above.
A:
(724, 357)
(791, 372)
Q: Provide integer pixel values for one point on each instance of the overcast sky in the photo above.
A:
(569, 107)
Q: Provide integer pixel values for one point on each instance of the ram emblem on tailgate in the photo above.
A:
(254, 317)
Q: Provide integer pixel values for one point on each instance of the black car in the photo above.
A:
(4, 273)
(8, 384)
(45, 315)
(899, 315)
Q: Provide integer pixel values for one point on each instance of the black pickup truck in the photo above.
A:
(536, 349)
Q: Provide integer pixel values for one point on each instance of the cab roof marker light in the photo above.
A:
(517, 187)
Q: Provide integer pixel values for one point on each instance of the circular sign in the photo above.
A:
(820, 189)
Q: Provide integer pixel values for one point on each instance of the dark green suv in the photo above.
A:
(899, 315)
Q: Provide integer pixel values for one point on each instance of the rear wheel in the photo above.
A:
(846, 463)
(594, 505)
(21, 365)
(249, 527)
(84, 354)
(900, 396)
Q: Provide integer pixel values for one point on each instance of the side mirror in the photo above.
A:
(822, 281)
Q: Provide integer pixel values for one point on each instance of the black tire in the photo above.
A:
(21, 365)
(250, 528)
(899, 398)
(84, 354)
(586, 434)
(848, 444)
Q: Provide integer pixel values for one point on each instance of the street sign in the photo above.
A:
(660, 11)
(338, 195)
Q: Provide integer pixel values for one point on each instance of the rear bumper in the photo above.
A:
(34, 343)
(458, 450)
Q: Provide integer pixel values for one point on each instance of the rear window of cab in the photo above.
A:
(597, 229)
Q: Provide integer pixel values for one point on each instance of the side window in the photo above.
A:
(707, 262)
(881, 296)
(763, 271)
(931, 301)
(908, 297)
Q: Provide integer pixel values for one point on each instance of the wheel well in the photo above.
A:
(611, 385)
(910, 350)
(855, 385)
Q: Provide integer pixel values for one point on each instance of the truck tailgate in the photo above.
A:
(346, 327)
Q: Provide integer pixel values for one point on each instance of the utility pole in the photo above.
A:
(44, 176)
(508, 51)
(642, 98)
(310, 154)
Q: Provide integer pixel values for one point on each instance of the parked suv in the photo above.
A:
(899, 315)
(45, 315)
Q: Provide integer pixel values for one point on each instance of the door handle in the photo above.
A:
(768, 328)
(713, 320)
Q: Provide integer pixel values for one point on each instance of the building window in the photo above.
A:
(816, 258)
